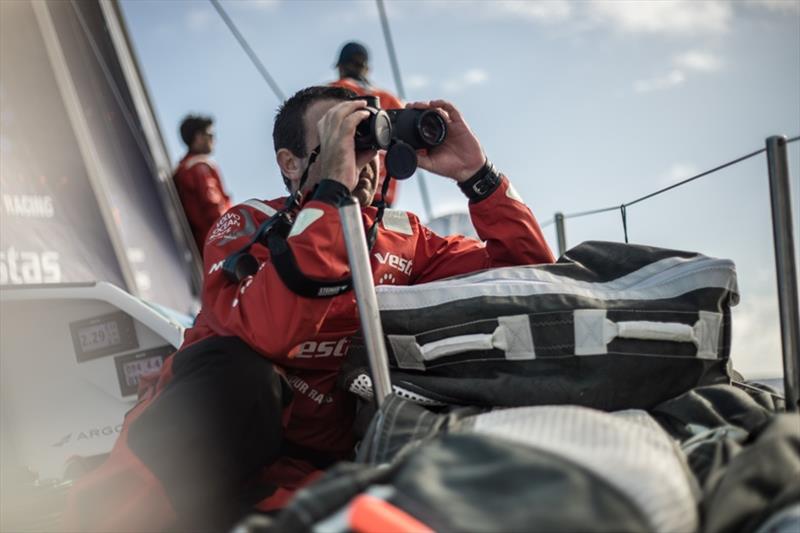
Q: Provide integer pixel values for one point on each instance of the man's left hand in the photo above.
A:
(460, 156)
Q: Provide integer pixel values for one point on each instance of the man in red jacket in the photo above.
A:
(353, 66)
(198, 180)
(248, 409)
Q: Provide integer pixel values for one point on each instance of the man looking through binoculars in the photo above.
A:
(248, 410)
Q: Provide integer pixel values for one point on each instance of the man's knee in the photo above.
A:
(215, 424)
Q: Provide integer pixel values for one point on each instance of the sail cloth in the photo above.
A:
(730, 453)
(542, 468)
(81, 200)
(610, 326)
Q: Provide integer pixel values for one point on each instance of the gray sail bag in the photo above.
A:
(609, 326)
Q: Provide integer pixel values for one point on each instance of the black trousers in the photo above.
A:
(211, 430)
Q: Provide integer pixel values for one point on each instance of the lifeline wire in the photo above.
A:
(249, 51)
(623, 207)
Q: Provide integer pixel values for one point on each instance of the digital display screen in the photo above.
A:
(131, 367)
(103, 335)
(133, 370)
(99, 336)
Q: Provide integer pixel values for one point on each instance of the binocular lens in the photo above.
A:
(432, 128)
(420, 128)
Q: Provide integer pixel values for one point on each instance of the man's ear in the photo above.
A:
(290, 165)
(196, 140)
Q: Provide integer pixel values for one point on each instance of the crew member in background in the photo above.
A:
(353, 68)
(198, 179)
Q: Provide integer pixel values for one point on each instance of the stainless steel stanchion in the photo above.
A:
(780, 197)
(561, 235)
(368, 313)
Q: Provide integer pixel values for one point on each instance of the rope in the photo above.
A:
(387, 36)
(248, 50)
(698, 176)
(623, 207)
(398, 80)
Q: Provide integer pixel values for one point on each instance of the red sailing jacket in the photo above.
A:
(308, 337)
(204, 200)
(388, 101)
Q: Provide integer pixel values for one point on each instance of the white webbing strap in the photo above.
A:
(593, 332)
(512, 335)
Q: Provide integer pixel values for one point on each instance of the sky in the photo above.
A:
(583, 105)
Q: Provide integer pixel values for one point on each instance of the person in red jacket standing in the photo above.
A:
(248, 410)
(353, 65)
(198, 179)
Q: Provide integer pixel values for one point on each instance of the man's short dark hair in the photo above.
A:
(191, 125)
(289, 131)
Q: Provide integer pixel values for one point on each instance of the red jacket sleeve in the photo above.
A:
(261, 309)
(510, 234)
(203, 198)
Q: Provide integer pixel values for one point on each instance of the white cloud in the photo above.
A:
(660, 83)
(416, 81)
(678, 172)
(698, 60)
(692, 60)
(475, 76)
(776, 5)
(198, 20)
(538, 11)
(260, 5)
(663, 16)
(755, 343)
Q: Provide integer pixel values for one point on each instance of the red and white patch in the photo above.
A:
(227, 224)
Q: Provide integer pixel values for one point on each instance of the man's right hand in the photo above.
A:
(337, 129)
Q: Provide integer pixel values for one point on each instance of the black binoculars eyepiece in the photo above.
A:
(375, 131)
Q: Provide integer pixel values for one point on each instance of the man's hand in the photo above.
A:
(460, 155)
(337, 129)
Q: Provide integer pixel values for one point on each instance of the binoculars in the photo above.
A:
(401, 132)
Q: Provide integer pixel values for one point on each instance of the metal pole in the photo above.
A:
(780, 197)
(361, 272)
(561, 236)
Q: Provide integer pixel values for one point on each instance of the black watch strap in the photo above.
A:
(482, 184)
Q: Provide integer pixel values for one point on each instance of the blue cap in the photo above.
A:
(350, 54)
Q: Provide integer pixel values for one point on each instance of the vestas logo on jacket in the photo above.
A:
(317, 349)
(403, 265)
